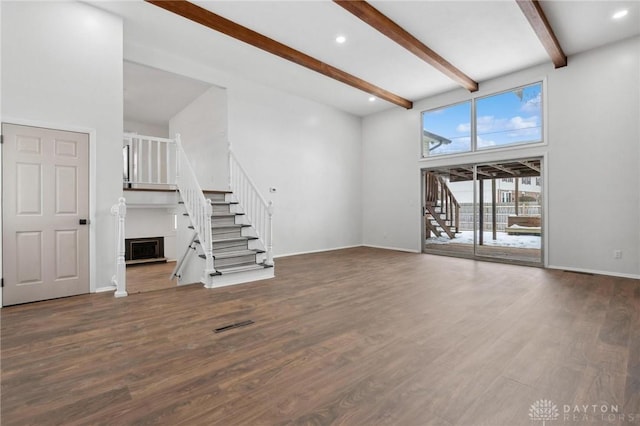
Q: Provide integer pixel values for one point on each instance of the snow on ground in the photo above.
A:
(503, 240)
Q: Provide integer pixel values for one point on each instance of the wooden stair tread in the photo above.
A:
(151, 189)
(226, 214)
(230, 226)
(227, 240)
(223, 203)
(231, 239)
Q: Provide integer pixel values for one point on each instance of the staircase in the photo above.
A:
(226, 236)
(441, 209)
(236, 248)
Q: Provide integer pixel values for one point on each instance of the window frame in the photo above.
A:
(474, 149)
(471, 130)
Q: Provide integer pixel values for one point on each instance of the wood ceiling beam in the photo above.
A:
(538, 21)
(218, 23)
(395, 32)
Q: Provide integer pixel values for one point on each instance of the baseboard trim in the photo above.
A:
(391, 248)
(316, 251)
(105, 289)
(596, 272)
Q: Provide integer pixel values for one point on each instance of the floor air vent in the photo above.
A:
(232, 326)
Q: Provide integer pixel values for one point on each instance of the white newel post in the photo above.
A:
(269, 241)
(120, 278)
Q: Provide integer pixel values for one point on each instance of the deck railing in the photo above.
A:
(148, 161)
(259, 212)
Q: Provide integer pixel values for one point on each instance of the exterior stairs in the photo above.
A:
(441, 209)
(436, 221)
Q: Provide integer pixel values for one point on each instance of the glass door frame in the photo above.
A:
(475, 254)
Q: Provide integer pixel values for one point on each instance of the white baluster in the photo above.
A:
(158, 161)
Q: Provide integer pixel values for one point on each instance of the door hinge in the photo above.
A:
(1, 139)
(1, 282)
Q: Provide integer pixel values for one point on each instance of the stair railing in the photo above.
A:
(197, 205)
(148, 161)
(259, 212)
(190, 247)
(120, 278)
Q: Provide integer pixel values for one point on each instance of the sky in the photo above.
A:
(502, 119)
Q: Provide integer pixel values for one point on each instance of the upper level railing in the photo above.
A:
(259, 212)
(197, 205)
(148, 161)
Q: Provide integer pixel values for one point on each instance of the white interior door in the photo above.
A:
(45, 193)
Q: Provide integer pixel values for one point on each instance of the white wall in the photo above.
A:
(592, 162)
(203, 131)
(594, 127)
(146, 129)
(311, 155)
(309, 152)
(62, 68)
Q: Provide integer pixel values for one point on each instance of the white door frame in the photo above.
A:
(92, 186)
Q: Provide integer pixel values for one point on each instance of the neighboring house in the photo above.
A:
(342, 180)
(529, 190)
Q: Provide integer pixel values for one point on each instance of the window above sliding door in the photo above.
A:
(513, 117)
(509, 118)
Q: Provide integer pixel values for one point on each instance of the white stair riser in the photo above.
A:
(221, 208)
(236, 260)
(226, 233)
(229, 220)
(227, 246)
(216, 197)
(232, 279)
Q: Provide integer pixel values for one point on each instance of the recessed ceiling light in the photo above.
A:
(341, 39)
(372, 99)
(620, 14)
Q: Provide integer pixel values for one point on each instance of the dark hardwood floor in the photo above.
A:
(354, 337)
(150, 277)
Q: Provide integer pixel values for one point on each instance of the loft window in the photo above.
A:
(510, 118)
(444, 130)
(513, 117)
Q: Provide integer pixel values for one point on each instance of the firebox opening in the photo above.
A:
(144, 250)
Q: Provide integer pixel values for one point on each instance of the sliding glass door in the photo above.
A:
(485, 211)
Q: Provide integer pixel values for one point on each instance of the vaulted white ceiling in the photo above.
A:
(484, 39)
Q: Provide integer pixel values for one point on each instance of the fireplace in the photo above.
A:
(144, 250)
